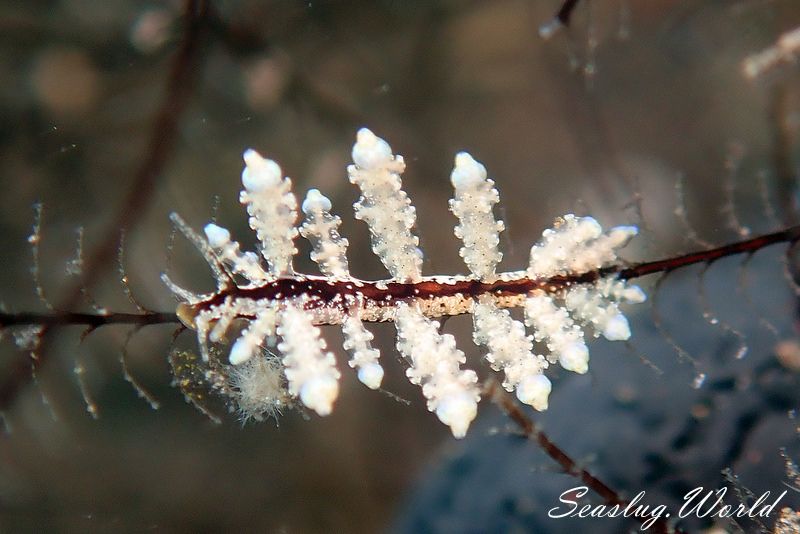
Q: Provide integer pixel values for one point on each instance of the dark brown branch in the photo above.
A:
(323, 292)
(749, 246)
(92, 320)
(326, 292)
(570, 466)
(19, 373)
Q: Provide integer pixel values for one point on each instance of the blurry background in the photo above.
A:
(604, 119)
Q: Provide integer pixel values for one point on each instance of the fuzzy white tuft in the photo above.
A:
(258, 387)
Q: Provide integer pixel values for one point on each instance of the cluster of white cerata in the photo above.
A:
(280, 310)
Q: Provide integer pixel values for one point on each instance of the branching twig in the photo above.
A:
(570, 466)
(143, 184)
(287, 288)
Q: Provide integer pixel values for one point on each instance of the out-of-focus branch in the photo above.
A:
(561, 19)
(785, 50)
(93, 320)
(781, 153)
(180, 86)
(564, 14)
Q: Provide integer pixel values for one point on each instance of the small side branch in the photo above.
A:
(570, 466)
(749, 246)
(320, 291)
